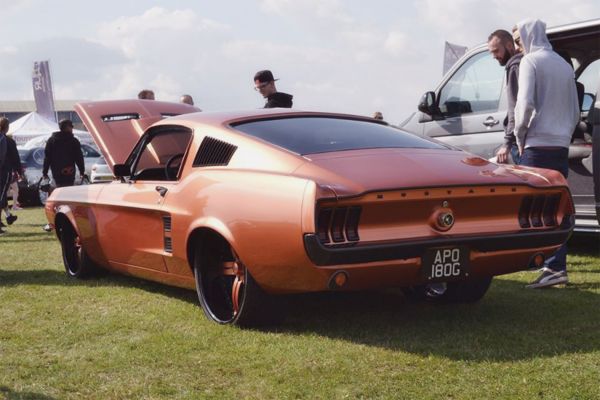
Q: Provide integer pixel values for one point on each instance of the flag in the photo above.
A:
(452, 52)
(42, 90)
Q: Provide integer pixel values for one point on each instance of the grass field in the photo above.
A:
(117, 337)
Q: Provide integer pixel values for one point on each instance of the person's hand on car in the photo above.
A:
(502, 155)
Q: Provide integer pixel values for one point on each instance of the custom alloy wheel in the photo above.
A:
(76, 261)
(227, 292)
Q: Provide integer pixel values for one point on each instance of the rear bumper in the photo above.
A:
(323, 256)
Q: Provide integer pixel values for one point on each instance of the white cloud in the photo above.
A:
(330, 54)
(396, 43)
(469, 22)
(328, 10)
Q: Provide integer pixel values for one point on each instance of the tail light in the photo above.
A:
(338, 225)
(550, 208)
(536, 211)
(539, 211)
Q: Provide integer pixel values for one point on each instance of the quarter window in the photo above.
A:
(475, 87)
(590, 77)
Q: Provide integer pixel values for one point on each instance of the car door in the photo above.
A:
(596, 153)
(473, 106)
(134, 230)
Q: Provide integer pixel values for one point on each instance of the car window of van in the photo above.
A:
(475, 87)
(590, 77)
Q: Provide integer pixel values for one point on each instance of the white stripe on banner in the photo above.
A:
(42, 90)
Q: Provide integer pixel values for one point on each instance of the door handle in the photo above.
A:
(161, 190)
(490, 121)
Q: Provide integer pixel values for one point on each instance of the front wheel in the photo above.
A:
(227, 292)
(77, 262)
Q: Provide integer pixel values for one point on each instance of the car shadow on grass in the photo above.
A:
(510, 323)
(20, 237)
(9, 394)
(585, 245)
(14, 277)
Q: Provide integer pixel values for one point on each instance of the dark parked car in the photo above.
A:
(33, 162)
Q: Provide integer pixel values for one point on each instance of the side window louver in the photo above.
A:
(214, 152)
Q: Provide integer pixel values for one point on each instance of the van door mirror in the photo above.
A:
(428, 106)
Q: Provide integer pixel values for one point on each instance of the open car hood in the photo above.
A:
(117, 125)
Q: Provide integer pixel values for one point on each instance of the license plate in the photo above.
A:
(445, 263)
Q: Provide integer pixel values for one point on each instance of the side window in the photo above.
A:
(590, 77)
(475, 87)
(161, 155)
(89, 152)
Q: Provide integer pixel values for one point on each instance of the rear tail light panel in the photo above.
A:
(338, 225)
(539, 211)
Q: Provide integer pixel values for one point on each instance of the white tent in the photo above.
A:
(29, 126)
(33, 125)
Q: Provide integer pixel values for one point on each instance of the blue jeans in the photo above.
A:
(558, 160)
(514, 152)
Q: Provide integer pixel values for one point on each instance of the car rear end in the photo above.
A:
(415, 236)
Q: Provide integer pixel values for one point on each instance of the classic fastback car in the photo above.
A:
(243, 206)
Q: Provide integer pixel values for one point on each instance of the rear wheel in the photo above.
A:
(77, 262)
(454, 292)
(227, 292)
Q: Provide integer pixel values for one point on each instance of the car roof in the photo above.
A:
(225, 118)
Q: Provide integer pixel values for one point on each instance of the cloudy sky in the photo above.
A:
(338, 55)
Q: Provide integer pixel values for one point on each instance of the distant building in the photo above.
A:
(15, 109)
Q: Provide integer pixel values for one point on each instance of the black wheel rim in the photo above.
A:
(72, 252)
(222, 283)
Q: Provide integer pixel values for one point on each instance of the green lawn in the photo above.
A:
(117, 337)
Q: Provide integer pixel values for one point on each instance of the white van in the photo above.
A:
(468, 108)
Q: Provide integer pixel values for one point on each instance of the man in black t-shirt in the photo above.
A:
(265, 83)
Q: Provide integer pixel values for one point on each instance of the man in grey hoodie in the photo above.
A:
(546, 113)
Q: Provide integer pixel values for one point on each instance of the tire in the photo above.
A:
(226, 290)
(469, 291)
(76, 261)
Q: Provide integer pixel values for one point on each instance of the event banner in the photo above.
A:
(42, 90)
(452, 52)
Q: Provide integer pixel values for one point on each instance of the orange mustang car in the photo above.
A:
(243, 206)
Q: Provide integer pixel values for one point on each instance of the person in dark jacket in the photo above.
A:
(265, 83)
(13, 169)
(502, 48)
(4, 167)
(62, 154)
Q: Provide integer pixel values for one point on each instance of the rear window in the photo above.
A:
(309, 135)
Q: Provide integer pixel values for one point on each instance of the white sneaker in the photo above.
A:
(549, 277)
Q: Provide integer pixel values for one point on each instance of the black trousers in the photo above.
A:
(5, 176)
